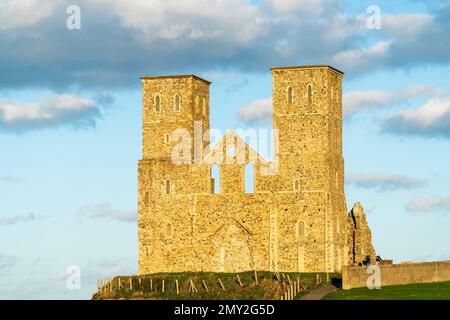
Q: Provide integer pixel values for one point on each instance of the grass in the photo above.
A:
(419, 291)
(150, 286)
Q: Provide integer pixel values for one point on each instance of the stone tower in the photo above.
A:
(170, 103)
(307, 112)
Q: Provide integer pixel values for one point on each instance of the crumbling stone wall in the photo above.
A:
(295, 220)
(359, 237)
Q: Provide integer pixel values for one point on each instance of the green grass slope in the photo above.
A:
(419, 291)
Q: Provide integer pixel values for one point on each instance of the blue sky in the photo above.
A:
(70, 118)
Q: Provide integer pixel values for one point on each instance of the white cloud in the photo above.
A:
(384, 181)
(203, 35)
(406, 24)
(257, 111)
(23, 13)
(428, 204)
(19, 219)
(430, 120)
(234, 21)
(360, 58)
(421, 90)
(6, 261)
(105, 211)
(355, 101)
(66, 109)
(315, 7)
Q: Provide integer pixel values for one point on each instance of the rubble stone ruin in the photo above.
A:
(199, 214)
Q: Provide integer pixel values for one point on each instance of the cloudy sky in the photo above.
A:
(70, 117)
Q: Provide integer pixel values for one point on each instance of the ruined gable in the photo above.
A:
(359, 237)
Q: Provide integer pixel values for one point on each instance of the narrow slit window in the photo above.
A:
(249, 181)
(168, 187)
(309, 94)
(290, 95)
(177, 102)
(296, 185)
(157, 104)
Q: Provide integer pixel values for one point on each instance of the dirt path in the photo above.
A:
(319, 293)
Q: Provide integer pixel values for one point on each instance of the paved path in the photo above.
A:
(319, 293)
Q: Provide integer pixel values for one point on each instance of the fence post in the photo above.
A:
(221, 284)
(239, 280)
(204, 284)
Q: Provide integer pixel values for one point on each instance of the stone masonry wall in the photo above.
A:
(295, 220)
(398, 274)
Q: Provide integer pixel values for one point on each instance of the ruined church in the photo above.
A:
(295, 217)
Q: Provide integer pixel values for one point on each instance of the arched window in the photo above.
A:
(290, 95)
(300, 230)
(309, 94)
(296, 185)
(177, 102)
(215, 174)
(157, 104)
(249, 181)
(168, 187)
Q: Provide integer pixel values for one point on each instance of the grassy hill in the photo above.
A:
(208, 285)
